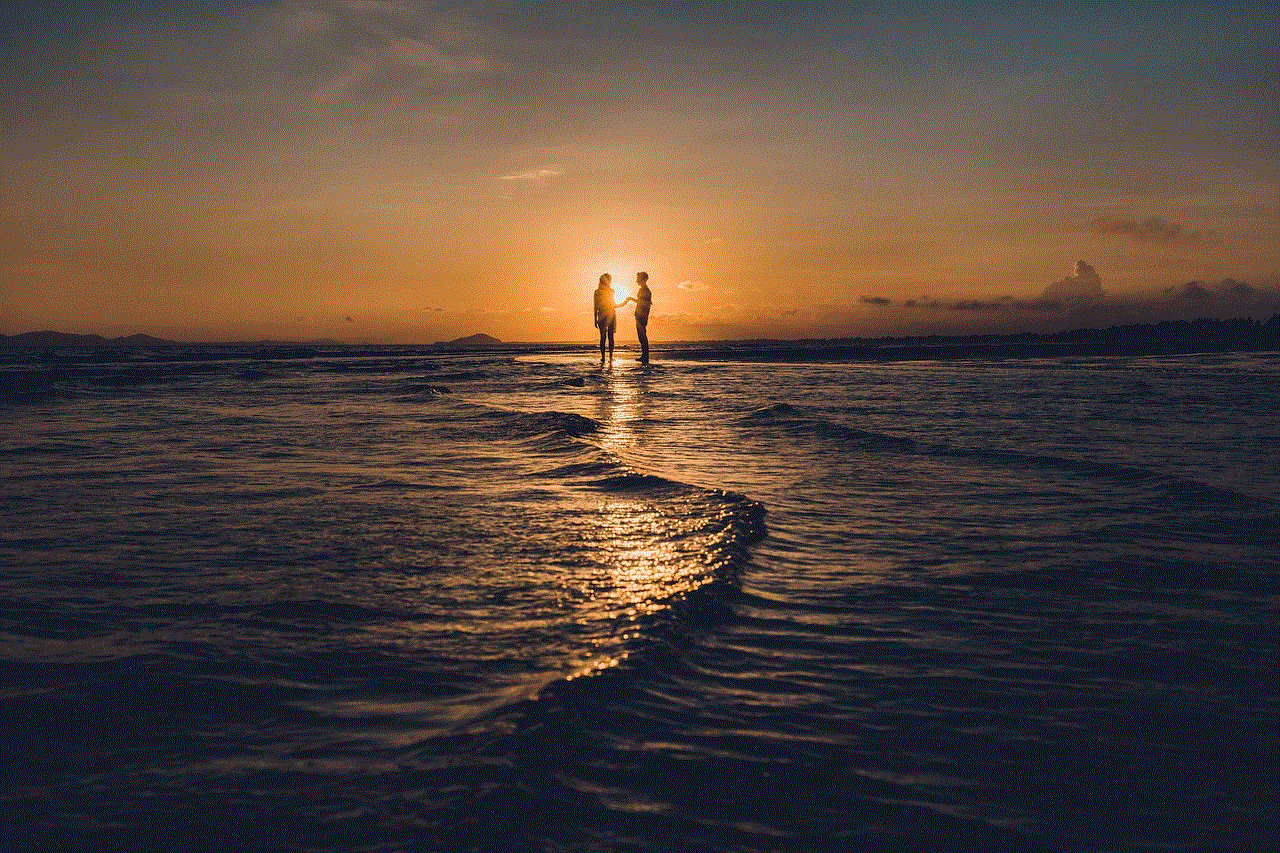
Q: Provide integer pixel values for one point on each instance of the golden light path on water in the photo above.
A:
(652, 550)
(587, 565)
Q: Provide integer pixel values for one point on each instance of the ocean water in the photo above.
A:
(389, 599)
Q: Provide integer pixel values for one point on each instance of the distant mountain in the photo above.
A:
(141, 341)
(476, 340)
(62, 339)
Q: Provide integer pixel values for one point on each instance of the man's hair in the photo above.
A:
(643, 276)
(606, 278)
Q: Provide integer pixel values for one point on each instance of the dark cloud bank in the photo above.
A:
(1079, 300)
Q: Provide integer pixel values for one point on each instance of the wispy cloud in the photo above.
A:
(305, 18)
(375, 51)
(692, 286)
(376, 7)
(542, 173)
(421, 56)
(1153, 229)
(1006, 303)
(875, 300)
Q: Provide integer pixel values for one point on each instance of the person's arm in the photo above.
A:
(623, 303)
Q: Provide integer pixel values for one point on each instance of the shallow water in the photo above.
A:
(387, 599)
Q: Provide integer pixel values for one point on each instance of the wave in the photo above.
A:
(794, 420)
(517, 424)
(633, 481)
(28, 387)
(467, 375)
(150, 375)
(1111, 472)
(701, 536)
(1121, 580)
(377, 365)
(48, 448)
(415, 392)
(42, 384)
(598, 467)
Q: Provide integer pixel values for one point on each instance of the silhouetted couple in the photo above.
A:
(606, 313)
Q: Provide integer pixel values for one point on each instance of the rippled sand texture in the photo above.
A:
(383, 600)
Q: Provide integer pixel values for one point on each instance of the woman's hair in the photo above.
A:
(643, 276)
(606, 278)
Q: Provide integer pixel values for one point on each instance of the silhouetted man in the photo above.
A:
(644, 301)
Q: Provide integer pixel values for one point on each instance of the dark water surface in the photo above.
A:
(389, 600)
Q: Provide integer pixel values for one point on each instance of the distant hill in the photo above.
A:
(476, 340)
(62, 339)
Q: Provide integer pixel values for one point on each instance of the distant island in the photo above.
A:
(46, 340)
(476, 340)
(62, 339)
(49, 339)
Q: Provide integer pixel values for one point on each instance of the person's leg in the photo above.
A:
(612, 327)
(602, 334)
(642, 333)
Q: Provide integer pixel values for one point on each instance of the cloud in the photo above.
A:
(1077, 301)
(376, 7)
(1232, 287)
(304, 18)
(418, 55)
(876, 300)
(1199, 292)
(431, 308)
(692, 286)
(543, 173)
(1006, 303)
(1154, 229)
(1082, 286)
(377, 54)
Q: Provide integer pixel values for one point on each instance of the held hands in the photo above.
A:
(625, 301)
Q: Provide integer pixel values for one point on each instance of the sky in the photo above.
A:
(392, 172)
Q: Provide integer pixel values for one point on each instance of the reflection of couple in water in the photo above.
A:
(607, 318)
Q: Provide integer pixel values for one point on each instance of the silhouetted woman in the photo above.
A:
(606, 314)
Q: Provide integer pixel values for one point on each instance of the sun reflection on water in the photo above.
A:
(653, 548)
(623, 407)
